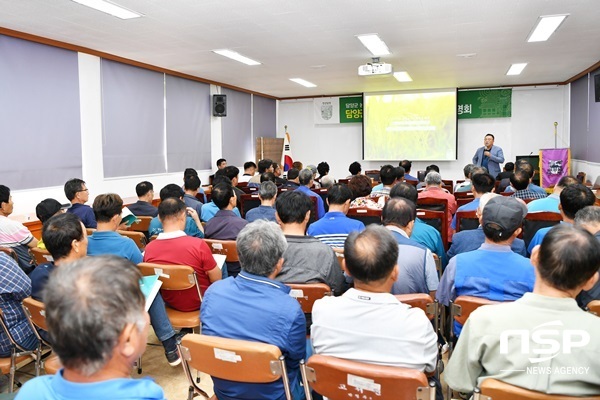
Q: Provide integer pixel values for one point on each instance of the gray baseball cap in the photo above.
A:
(505, 212)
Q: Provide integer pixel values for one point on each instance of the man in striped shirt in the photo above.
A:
(334, 227)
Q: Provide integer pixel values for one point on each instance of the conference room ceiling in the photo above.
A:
(315, 40)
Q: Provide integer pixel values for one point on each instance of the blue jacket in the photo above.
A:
(496, 158)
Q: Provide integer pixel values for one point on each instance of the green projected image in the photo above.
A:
(410, 125)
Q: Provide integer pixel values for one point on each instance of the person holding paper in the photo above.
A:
(489, 156)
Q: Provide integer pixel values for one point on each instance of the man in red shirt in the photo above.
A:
(434, 190)
(173, 246)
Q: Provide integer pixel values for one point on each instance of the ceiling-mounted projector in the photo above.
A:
(375, 68)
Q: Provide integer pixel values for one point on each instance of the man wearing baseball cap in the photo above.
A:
(493, 271)
(45, 210)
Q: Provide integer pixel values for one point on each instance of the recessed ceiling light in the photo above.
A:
(374, 44)
(402, 76)
(302, 82)
(109, 8)
(516, 69)
(234, 55)
(545, 27)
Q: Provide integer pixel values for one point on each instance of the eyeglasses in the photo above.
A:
(83, 190)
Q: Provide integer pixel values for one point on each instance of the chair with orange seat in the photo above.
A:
(308, 293)
(36, 314)
(8, 365)
(492, 389)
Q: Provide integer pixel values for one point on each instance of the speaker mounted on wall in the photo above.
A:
(219, 105)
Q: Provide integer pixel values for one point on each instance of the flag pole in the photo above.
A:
(555, 135)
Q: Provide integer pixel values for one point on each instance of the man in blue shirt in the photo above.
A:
(191, 184)
(255, 307)
(551, 202)
(193, 226)
(334, 227)
(98, 326)
(78, 194)
(481, 183)
(572, 199)
(267, 195)
(407, 165)
(143, 207)
(521, 184)
(493, 271)
(306, 181)
(523, 165)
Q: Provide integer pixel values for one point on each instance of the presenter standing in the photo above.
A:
(489, 156)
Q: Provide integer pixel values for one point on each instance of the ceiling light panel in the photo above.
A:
(546, 25)
(374, 44)
(234, 55)
(516, 69)
(302, 82)
(109, 8)
(402, 76)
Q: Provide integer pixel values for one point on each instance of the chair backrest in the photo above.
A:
(462, 307)
(141, 224)
(420, 300)
(594, 307)
(448, 185)
(466, 220)
(308, 293)
(36, 312)
(138, 237)
(248, 202)
(337, 379)
(365, 215)
(463, 198)
(234, 360)
(373, 174)
(249, 189)
(173, 277)
(322, 192)
(344, 181)
(41, 256)
(534, 221)
(492, 389)
(226, 247)
(90, 231)
(438, 220)
(11, 253)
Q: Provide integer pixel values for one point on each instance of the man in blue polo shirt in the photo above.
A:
(493, 271)
(255, 307)
(334, 227)
(306, 181)
(78, 194)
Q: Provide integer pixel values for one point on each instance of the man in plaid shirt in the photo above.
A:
(14, 287)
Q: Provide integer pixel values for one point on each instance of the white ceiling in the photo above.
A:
(315, 40)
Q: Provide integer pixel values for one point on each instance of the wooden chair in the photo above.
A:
(436, 205)
(8, 365)
(463, 198)
(466, 220)
(40, 256)
(249, 189)
(308, 293)
(323, 193)
(339, 379)
(138, 237)
(11, 253)
(176, 277)
(460, 310)
(90, 231)
(594, 307)
(248, 202)
(228, 248)
(141, 224)
(365, 215)
(421, 300)
(534, 221)
(373, 174)
(492, 389)
(233, 360)
(344, 181)
(36, 314)
(438, 220)
(448, 184)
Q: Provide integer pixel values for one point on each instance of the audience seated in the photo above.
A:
(210, 209)
(143, 207)
(14, 286)
(507, 171)
(173, 246)
(14, 234)
(298, 165)
(407, 165)
(505, 342)
(267, 195)
(551, 203)
(355, 169)
(481, 183)
(434, 190)
(191, 184)
(472, 239)
(523, 165)
(78, 194)
(192, 171)
(323, 170)
(225, 225)
(368, 324)
(232, 173)
(255, 307)
(389, 176)
(45, 210)
(520, 183)
(428, 169)
(265, 165)
(292, 182)
(572, 199)
(334, 227)
(360, 185)
(221, 163)
(98, 326)
(465, 186)
(493, 271)
(421, 233)
(249, 171)
(193, 226)
(278, 172)
(305, 178)
(416, 266)
(588, 218)
(307, 260)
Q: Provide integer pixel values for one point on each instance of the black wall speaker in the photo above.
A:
(219, 105)
(597, 86)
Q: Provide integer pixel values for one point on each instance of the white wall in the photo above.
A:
(531, 127)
